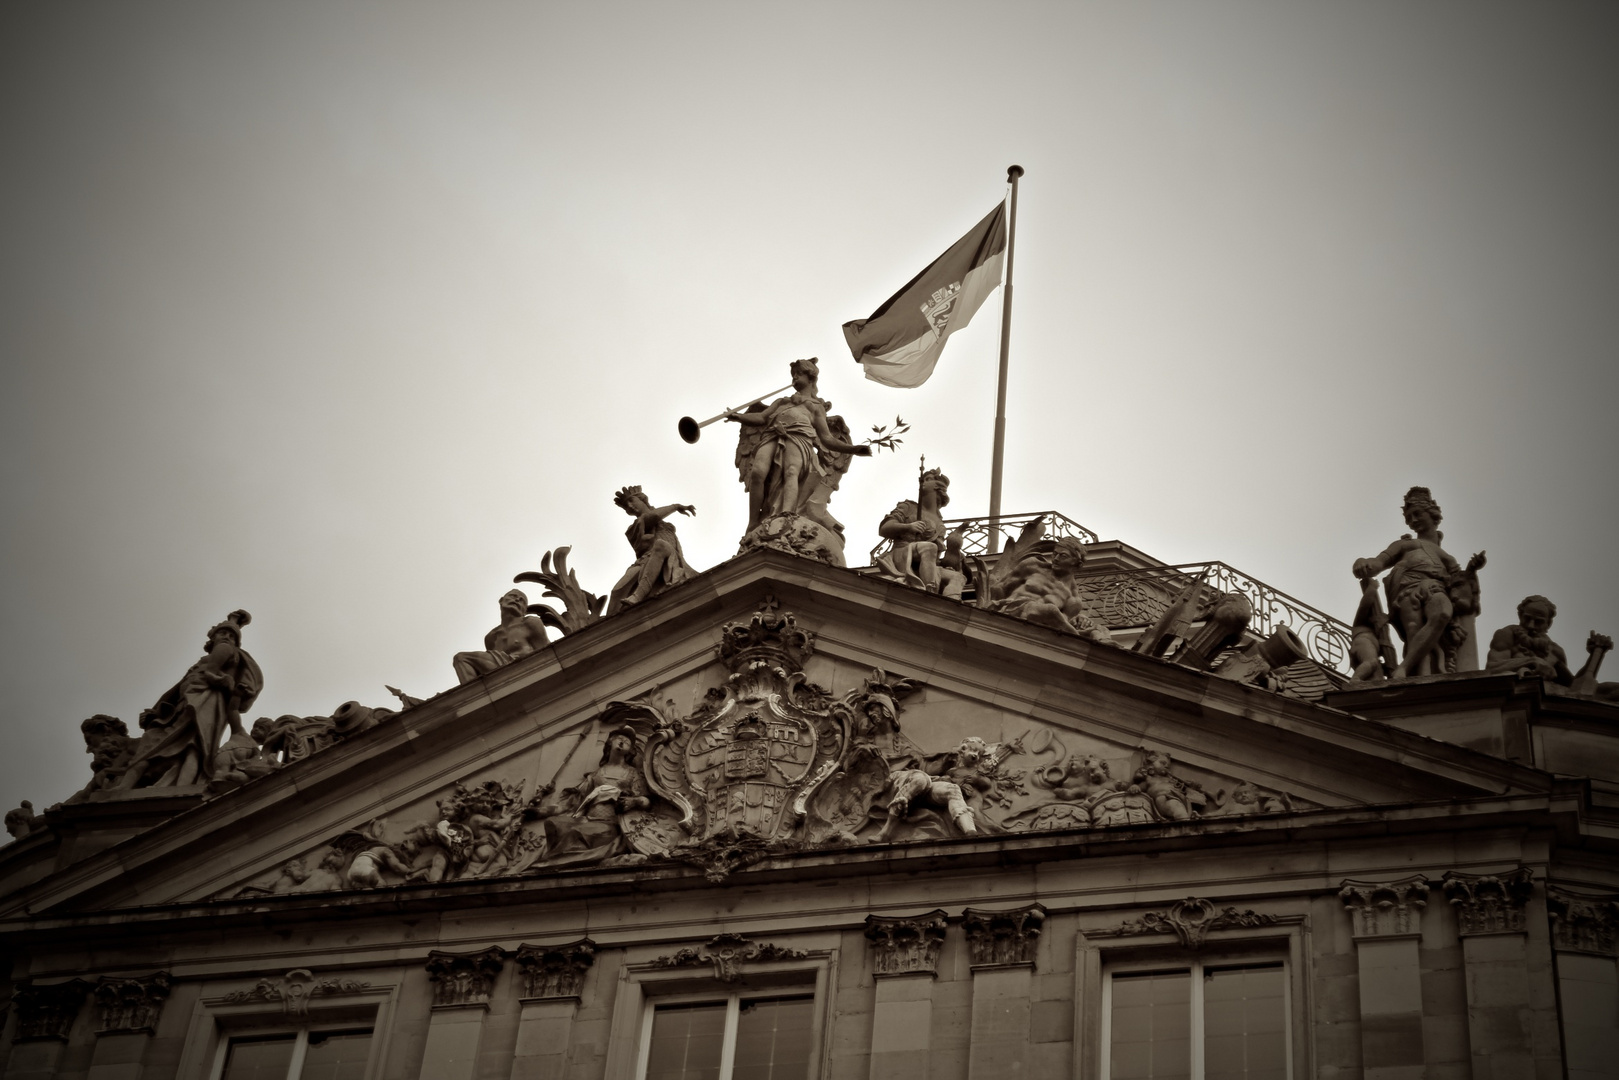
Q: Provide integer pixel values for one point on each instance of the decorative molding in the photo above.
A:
(294, 990)
(726, 952)
(1489, 903)
(1003, 937)
(554, 971)
(464, 978)
(1385, 908)
(1587, 924)
(47, 1012)
(1190, 920)
(907, 944)
(132, 1004)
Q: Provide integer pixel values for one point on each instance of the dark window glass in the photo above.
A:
(259, 1057)
(1244, 1023)
(336, 1055)
(773, 1039)
(686, 1042)
(1152, 1026)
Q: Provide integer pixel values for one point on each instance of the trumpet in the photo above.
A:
(691, 430)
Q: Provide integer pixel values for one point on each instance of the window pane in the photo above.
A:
(1152, 1026)
(1243, 1023)
(336, 1055)
(686, 1042)
(773, 1039)
(259, 1057)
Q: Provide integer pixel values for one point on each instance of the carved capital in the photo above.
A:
(1489, 903)
(47, 1012)
(1003, 937)
(294, 991)
(726, 952)
(1588, 924)
(132, 1004)
(464, 978)
(554, 971)
(906, 945)
(1385, 908)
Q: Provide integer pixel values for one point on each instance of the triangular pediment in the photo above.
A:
(769, 707)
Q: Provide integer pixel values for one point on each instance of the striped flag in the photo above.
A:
(901, 341)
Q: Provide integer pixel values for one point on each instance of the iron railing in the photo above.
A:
(975, 531)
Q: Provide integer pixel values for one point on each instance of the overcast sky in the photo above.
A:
(344, 313)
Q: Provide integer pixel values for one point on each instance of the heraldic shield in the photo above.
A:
(747, 764)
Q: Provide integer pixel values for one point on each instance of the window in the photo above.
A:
(739, 1037)
(305, 1054)
(1197, 1021)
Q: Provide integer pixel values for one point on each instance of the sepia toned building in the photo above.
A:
(788, 820)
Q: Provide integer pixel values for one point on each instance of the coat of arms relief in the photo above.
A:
(767, 763)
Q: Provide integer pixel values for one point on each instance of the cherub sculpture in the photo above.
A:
(518, 635)
(659, 562)
(1173, 798)
(789, 455)
(1425, 587)
(916, 528)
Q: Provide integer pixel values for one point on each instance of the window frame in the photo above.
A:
(733, 1015)
(300, 1044)
(215, 1020)
(1195, 964)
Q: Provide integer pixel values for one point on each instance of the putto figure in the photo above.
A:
(659, 562)
(518, 635)
(916, 528)
(183, 729)
(786, 452)
(1427, 590)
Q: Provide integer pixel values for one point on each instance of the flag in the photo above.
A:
(902, 340)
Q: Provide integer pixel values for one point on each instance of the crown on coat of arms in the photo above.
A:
(770, 636)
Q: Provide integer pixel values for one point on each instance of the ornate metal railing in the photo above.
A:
(1120, 598)
(975, 531)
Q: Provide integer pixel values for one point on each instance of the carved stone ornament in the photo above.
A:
(1489, 903)
(1190, 920)
(554, 971)
(132, 1004)
(294, 990)
(47, 1012)
(464, 978)
(1003, 937)
(1385, 908)
(1587, 924)
(726, 952)
(906, 945)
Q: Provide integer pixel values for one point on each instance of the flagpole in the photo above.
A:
(994, 547)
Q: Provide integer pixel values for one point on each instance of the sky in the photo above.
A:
(346, 313)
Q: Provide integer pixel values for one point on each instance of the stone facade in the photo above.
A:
(949, 838)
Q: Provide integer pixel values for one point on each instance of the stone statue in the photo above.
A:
(595, 819)
(23, 821)
(183, 729)
(1042, 589)
(1424, 585)
(1526, 649)
(916, 528)
(790, 456)
(659, 562)
(957, 783)
(1173, 798)
(518, 635)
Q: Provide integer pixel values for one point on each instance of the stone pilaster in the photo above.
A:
(462, 983)
(128, 1011)
(45, 1015)
(1387, 927)
(1490, 918)
(1001, 945)
(904, 961)
(552, 976)
(1585, 935)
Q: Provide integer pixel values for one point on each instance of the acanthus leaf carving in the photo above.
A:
(1385, 908)
(1489, 903)
(295, 990)
(726, 953)
(132, 1004)
(554, 971)
(47, 1010)
(464, 978)
(1587, 924)
(1003, 937)
(906, 944)
(1190, 920)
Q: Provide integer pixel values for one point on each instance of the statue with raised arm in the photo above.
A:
(1527, 650)
(518, 635)
(1421, 584)
(184, 728)
(916, 530)
(791, 455)
(659, 562)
